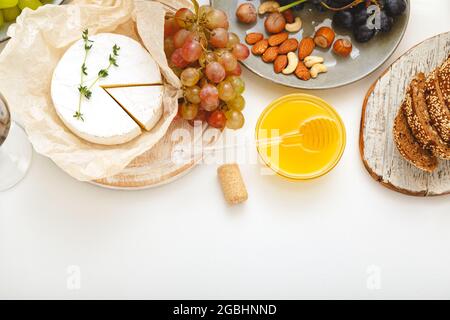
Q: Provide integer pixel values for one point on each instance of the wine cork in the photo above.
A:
(233, 186)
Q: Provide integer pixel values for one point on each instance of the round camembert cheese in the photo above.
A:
(108, 120)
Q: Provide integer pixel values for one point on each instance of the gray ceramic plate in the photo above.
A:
(365, 58)
(4, 28)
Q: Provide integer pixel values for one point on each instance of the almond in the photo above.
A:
(254, 37)
(306, 47)
(277, 39)
(270, 54)
(288, 46)
(324, 37)
(302, 72)
(280, 63)
(260, 47)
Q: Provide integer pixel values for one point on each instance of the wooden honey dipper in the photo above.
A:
(313, 135)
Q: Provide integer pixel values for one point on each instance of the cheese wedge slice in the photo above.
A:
(105, 121)
(141, 102)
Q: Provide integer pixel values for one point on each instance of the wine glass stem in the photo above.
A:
(15, 157)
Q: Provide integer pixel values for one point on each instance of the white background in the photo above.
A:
(321, 239)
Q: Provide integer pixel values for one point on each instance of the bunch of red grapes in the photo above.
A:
(205, 56)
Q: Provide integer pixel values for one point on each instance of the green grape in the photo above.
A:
(217, 119)
(191, 50)
(189, 111)
(184, 17)
(238, 103)
(241, 51)
(176, 70)
(8, 3)
(238, 84)
(10, 14)
(215, 72)
(218, 38)
(180, 37)
(189, 77)
(209, 95)
(228, 61)
(203, 11)
(235, 119)
(219, 52)
(226, 91)
(233, 39)
(205, 58)
(216, 18)
(169, 46)
(32, 4)
(203, 81)
(192, 94)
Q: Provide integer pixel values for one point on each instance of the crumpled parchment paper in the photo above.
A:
(38, 41)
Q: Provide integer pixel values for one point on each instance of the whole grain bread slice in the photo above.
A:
(418, 118)
(408, 146)
(438, 100)
(444, 81)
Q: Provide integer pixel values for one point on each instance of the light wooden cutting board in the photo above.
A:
(378, 151)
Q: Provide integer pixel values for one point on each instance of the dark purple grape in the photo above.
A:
(343, 19)
(360, 14)
(338, 3)
(395, 7)
(386, 22)
(363, 33)
(317, 4)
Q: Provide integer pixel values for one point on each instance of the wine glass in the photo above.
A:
(15, 149)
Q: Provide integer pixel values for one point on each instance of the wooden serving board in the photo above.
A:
(172, 157)
(378, 151)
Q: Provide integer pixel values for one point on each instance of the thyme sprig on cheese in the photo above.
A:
(86, 90)
(84, 72)
(103, 73)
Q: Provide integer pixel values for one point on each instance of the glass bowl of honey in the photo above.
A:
(300, 137)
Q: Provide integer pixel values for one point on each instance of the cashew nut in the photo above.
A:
(268, 6)
(292, 63)
(295, 26)
(312, 60)
(318, 68)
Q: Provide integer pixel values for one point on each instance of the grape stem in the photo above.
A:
(290, 5)
(323, 4)
(350, 5)
(87, 43)
(101, 76)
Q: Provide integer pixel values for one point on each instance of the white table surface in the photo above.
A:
(341, 236)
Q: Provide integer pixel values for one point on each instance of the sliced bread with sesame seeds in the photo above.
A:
(408, 146)
(416, 112)
(444, 81)
(438, 99)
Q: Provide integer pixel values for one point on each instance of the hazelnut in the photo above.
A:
(324, 37)
(342, 47)
(246, 13)
(275, 23)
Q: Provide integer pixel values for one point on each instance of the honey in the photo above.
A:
(300, 136)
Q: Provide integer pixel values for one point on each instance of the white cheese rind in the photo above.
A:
(143, 103)
(105, 122)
